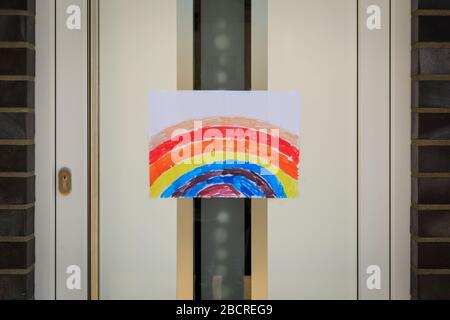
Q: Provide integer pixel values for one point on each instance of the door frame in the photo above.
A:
(400, 149)
(94, 147)
(45, 268)
(61, 246)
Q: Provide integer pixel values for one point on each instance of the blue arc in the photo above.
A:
(265, 174)
(241, 184)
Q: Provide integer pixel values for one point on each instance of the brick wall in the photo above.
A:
(17, 196)
(430, 214)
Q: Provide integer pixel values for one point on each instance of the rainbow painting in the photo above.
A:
(224, 144)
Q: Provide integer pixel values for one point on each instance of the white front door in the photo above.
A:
(321, 245)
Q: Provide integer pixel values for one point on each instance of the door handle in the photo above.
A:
(64, 181)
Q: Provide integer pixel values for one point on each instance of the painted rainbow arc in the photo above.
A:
(257, 165)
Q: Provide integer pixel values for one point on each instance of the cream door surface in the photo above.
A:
(313, 239)
(137, 235)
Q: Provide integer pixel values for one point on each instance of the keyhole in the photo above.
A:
(65, 182)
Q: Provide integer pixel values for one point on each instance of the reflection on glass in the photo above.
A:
(222, 249)
(222, 226)
(222, 42)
